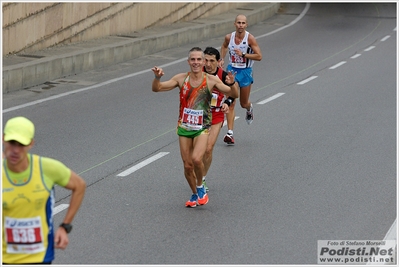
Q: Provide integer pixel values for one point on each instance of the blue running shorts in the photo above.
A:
(243, 76)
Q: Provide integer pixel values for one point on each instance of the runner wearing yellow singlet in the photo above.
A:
(28, 183)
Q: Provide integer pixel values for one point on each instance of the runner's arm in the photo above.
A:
(223, 49)
(230, 99)
(231, 90)
(158, 86)
(78, 187)
(257, 54)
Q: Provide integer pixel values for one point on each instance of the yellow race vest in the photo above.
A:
(28, 204)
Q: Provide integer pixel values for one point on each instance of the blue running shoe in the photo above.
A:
(192, 203)
(202, 196)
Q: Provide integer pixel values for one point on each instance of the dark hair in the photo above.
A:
(213, 52)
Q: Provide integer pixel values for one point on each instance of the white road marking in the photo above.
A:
(225, 121)
(270, 98)
(369, 48)
(355, 56)
(337, 65)
(60, 208)
(307, 80)
(303, 13)
(142, 164)
(385, 38)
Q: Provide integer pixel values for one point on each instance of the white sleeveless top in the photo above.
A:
(235, 60)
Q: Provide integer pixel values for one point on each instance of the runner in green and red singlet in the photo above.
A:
(194, 116)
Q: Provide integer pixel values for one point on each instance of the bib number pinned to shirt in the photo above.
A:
(24, 235)
(237, 61)
(192, 119)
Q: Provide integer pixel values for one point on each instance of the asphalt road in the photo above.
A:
(317, 163)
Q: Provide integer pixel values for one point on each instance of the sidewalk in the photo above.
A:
(24, 71)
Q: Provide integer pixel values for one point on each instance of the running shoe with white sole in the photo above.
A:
(250, 115)
(228, 139)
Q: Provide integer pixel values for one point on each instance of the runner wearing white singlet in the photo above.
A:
(243, 51)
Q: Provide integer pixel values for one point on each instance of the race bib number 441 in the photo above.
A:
(192, 119)
(24, 235)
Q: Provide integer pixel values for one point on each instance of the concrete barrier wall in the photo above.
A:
(29, 27)
(62, 61)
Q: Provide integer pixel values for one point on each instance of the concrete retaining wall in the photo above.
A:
(28, 27)
(63, 61)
